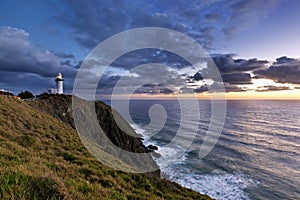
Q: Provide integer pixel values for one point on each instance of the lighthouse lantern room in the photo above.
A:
(59, 83)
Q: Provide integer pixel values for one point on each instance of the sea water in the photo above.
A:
(257, 155)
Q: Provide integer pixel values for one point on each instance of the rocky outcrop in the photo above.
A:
(60, 106)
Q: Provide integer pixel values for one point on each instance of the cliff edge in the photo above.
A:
(42, 157)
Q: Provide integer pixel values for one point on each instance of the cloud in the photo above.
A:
(148, 78)
(245, 13)
(28, 66)
(272, 88)
(152, 85)
(18, 81)
(233, 71)
(237, 78)
(228, 88)
(145, 56)
(285, 60)
(186, 90)
(285, 70)
(201, 89)
(154, 79)
(234, 88)
(90, 22)
(17, 54)
(226, 63)
(64, 55)
(195, 77)
(212, 17)
(153, 89)
(93, 21)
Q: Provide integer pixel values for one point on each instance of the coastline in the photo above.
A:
(217, 184)
(56, 157)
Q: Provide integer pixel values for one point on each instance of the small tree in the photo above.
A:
(25, 95)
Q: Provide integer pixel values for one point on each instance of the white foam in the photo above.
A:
(218, 184)
(169, 155)
(142, 132)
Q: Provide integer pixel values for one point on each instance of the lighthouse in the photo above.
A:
(59, 83)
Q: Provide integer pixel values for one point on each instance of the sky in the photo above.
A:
(254, 45)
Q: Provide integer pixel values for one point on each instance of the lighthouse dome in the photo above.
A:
(59, 76)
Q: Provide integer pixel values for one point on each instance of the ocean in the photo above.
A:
(257, 155)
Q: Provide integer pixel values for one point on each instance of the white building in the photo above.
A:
(6, 93)
(59, 85)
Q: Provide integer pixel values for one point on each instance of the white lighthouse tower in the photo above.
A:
(59, 83)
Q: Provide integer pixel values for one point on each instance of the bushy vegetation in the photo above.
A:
(42, 157)
(25, 95)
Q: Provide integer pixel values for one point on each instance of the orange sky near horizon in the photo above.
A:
(249, 95)
(272, 95)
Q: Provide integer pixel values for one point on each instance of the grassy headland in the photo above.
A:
(42, 157)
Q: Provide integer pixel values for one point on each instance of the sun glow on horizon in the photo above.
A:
(249, 95)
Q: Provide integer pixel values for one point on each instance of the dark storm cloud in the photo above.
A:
(94, 21)
(237, 78)
(272, 88)
(197, 77)
(233, 71)
(152, 85)
(152, 88)
(228, 88)
(281, 74)
(193, 79)
(285, 60)
(201, 89)
(17, 54)
(166, 91)
(226, 63)
(285, 70)
(234, 88)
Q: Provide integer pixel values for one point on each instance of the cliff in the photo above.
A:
(42, 157)
(60, 107)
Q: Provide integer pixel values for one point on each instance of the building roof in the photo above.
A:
(3, 90)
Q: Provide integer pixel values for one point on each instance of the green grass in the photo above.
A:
(17, 185)
(42, 157)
